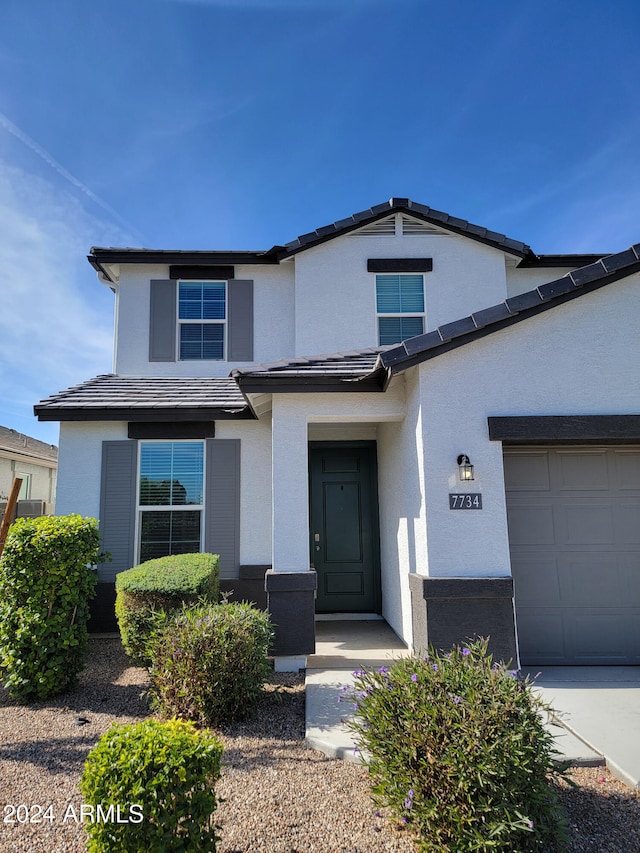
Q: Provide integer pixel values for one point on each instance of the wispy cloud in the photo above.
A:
(56, 320)
(30, 143)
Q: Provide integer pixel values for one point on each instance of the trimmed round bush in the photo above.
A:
(148, 594)
(457, 750)
(209, 663)
(150, 786)
(46, 582)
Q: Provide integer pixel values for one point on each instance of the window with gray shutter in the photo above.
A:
(118, 506)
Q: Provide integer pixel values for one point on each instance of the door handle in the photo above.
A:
(316, 539)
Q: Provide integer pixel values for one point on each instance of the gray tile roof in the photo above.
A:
(353, 365)
(111, 397)
(23, 445)
(104, 255)
(419, 211)
(583, 280)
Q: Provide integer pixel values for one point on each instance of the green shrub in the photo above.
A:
(159, 778)
(147, 594)
(457, 750)
(46, 582)
(210, 662)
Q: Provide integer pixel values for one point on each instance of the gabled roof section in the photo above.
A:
(101, 256)
(356, 370)
(418, 211)
(122, 398)
(452, 335)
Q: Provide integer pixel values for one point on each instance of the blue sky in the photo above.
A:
(239, 124)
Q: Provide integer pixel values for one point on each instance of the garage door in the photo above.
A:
(574, 532)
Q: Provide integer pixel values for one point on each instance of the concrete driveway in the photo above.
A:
(600, 705)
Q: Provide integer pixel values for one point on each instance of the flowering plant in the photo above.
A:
(458, 751)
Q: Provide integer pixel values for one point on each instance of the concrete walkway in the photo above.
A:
(597, 709)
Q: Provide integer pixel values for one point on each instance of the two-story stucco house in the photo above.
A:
(400, 413)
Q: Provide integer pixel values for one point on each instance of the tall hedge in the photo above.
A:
(46, 582)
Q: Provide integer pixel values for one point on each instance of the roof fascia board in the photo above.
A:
(572, 261)
(44, 413)
(310, 385)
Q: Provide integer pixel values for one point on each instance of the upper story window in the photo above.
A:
(400, 307)
(202, 320)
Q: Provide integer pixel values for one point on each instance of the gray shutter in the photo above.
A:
(240, 322)
(118, 506)
(222, 504)
(162, 320)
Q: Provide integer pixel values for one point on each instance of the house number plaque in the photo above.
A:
(469, 501)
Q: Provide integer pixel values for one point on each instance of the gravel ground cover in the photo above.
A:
(280, 796)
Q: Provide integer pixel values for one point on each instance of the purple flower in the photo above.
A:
(434, 667)
(358, 673)
(466, 652)
(377, 814)
(414, 677)
(383, 670)
(408, 803)
(457, 700)
(403, 820)
(530, 824)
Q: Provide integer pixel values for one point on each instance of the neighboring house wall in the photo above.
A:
(35, 462)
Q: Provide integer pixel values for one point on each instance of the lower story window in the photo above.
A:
(170, 498)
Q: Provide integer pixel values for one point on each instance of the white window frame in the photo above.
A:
(140, 508)
(401, 314)
(224, 322)
(25, 487)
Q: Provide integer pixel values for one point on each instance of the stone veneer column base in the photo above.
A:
(291, 604)
(451, 611)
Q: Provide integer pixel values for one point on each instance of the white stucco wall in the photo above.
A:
(522, 280)
(80, 464)
(578, 358)
(80, 471)
(403, 529)
(273, 315)
(335, 295)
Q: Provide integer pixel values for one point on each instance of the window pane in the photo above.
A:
(398, 294)
(165, 533)
(171, 473)
(393, 330)
(201, 341)
(198, 300)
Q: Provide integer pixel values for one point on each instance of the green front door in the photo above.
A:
(344, 527)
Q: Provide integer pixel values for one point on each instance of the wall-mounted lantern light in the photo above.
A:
(465, 467)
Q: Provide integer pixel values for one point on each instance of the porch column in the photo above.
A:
(290, 584)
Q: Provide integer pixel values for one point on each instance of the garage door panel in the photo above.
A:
(597, 635)
(580, 472)
(527, 472)
(535, 579)
(540, 636)
(627, 523)
(627, 469)
(585, 524)
(531, 525)
(588, 578)
(575, 553)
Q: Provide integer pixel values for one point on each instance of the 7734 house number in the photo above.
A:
(469, 501)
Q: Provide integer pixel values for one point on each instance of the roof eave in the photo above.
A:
(155, 414)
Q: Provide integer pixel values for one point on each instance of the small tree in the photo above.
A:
(46, 582)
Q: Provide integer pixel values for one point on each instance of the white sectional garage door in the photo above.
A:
(574, 532)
